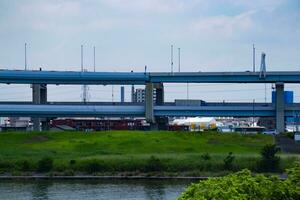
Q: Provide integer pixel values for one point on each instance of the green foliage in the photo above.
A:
(72, 162)
(289, 134)
(206, 156)
(153, 164)
(45, 164)
(130, 151)
(77, 145)
(228, 161)
(94, 166)
(294, 180)
(25, 166)
(243, 185)
(269, 161)
(69, 172)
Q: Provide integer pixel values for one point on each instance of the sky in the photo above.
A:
(213, 35)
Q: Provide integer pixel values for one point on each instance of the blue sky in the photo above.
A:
(215, 35)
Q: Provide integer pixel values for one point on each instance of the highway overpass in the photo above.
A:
(131, 110)
(140, 78)
(151, 80)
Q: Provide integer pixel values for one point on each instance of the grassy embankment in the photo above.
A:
(130, 152)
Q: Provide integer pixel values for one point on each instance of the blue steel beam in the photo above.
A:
(226, 77)
(104, 78)
(48, 110)
(71, 77)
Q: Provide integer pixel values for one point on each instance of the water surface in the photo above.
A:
(91, 189)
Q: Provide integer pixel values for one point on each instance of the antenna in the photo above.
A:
(172, 58)
(178, 59)
(25, 56)
(253, 58)
(82, 58)
(94, 59)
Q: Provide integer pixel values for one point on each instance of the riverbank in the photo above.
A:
(130, 153)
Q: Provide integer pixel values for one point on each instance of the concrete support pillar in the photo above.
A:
(280, 126)
(161, 122)
(159, 93)
(149, 114)
(39, 96)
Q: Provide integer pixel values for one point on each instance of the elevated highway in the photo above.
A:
(139, 78)
(151, 80)
(56, 109)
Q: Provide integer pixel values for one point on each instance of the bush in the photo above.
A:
(228, 161)
(153, 164)
(206, 156)
(45, 164)
(294, 180)
(25, 166)
(242, 185)
(72, 162)
(5, 166)
(290, 135)
(269, 162)
(69, 172)
(94, 166)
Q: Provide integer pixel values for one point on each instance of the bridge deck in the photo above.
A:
(139, 78)
(119, 110)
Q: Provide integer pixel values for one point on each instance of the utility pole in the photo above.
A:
(172, 59)
(253, 58)
(81, 58)
(253, 104)
(94, 59)
(25, 56)
(178, 59)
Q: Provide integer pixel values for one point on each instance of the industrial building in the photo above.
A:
(140, 95)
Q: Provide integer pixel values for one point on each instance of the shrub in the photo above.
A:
(25, 166)
(94, 166)
(289, 135)
(206, 156)
(5, 165)
(153, 164)
(242, 185)
(228, 161)
(269, 162)
(72, 162)
(293, 180)
(69, 172)
(45, 164)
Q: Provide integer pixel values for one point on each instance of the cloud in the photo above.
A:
(267, 5)
(222, 26)
(52, 9)
(157, 6)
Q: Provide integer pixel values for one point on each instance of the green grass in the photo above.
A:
(130, 150)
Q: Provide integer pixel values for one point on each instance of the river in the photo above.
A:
(122, 189)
